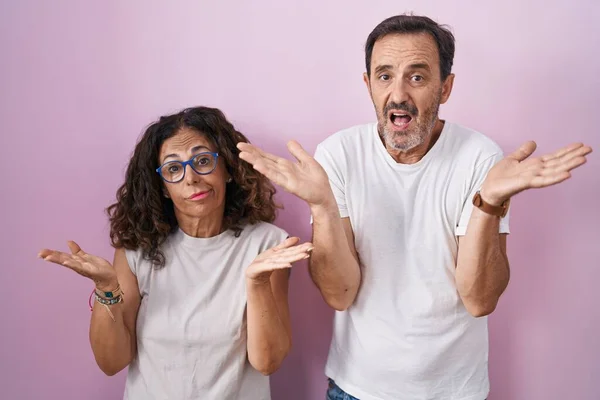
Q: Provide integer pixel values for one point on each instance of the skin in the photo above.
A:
(406, 78)
(268, 322)
(202, 218)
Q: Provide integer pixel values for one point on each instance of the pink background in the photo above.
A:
(80, 80)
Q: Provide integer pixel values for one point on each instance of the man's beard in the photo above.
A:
(421, 126)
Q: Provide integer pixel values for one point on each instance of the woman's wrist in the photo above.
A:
(107, 286)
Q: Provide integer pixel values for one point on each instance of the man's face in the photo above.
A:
(406, 88)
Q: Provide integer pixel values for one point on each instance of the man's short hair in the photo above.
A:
(408, 24)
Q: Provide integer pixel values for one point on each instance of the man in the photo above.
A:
(410, 218)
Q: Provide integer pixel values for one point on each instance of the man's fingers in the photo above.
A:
(266, 166)
(254, 153)
(561, 152)
(549, 180)
(298, 152)
(566, 165)
(272, 173)
(568, 156)
(524, 151)
(251, 157)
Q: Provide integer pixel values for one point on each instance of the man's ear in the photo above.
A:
(447, 88)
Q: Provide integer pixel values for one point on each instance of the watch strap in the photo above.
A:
(498, 211)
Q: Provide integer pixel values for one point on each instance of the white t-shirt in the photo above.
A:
(191, 324)
(408, 335)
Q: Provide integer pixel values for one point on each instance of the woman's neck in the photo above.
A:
(204, 227)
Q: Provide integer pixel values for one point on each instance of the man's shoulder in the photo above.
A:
(348, 137)
(463, 139)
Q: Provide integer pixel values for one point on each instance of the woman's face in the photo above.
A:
(195, 196)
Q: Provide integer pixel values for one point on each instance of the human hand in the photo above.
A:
(305, 179)
(517, 172)
(95, 268)
(279, 257)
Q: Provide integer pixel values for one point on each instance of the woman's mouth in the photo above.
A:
(199, 195)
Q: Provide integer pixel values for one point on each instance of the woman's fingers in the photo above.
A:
(60, 258)
(286, 243)
(75, 249)
(57, 257)
(77, 261)
(290, 255)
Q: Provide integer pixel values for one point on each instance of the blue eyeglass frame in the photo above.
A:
(184, 164)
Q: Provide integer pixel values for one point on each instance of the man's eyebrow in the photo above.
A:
(382, 68)
(424, 66)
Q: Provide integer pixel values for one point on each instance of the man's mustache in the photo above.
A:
(404, 106)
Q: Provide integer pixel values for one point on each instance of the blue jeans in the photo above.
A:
(334, 392)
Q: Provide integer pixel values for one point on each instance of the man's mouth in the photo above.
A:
(400, 119)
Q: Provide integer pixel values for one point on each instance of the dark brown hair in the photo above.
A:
(406, 24)
(142, 218)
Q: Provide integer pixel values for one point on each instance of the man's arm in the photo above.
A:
(482, 270)
(334, 266)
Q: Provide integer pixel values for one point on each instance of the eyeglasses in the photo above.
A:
(202, 164)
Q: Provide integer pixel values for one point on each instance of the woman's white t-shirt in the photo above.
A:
(191, 324)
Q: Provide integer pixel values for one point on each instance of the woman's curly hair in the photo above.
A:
(142, 218)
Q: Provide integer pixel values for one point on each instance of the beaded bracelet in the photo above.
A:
(109, 295)
(105, 302)
(108, 302)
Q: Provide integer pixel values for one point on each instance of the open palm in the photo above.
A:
(88, 265)
(306, 179)
(518, 172)
(281, 256)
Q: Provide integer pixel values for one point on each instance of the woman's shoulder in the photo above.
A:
(264, 232)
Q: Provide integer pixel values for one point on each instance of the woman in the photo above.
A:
(195, 301)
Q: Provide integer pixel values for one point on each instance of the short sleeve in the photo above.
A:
(133, 258)
(479, 174)
(267, 235)
(336, 178)
(279, 236)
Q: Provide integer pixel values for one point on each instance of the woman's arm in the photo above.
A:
(112, 328)
(114, 342)
(269, 331)
(268, 317)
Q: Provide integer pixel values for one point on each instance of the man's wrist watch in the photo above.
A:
(498, 211)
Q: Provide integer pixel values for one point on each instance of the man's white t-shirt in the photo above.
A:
(407, 335)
